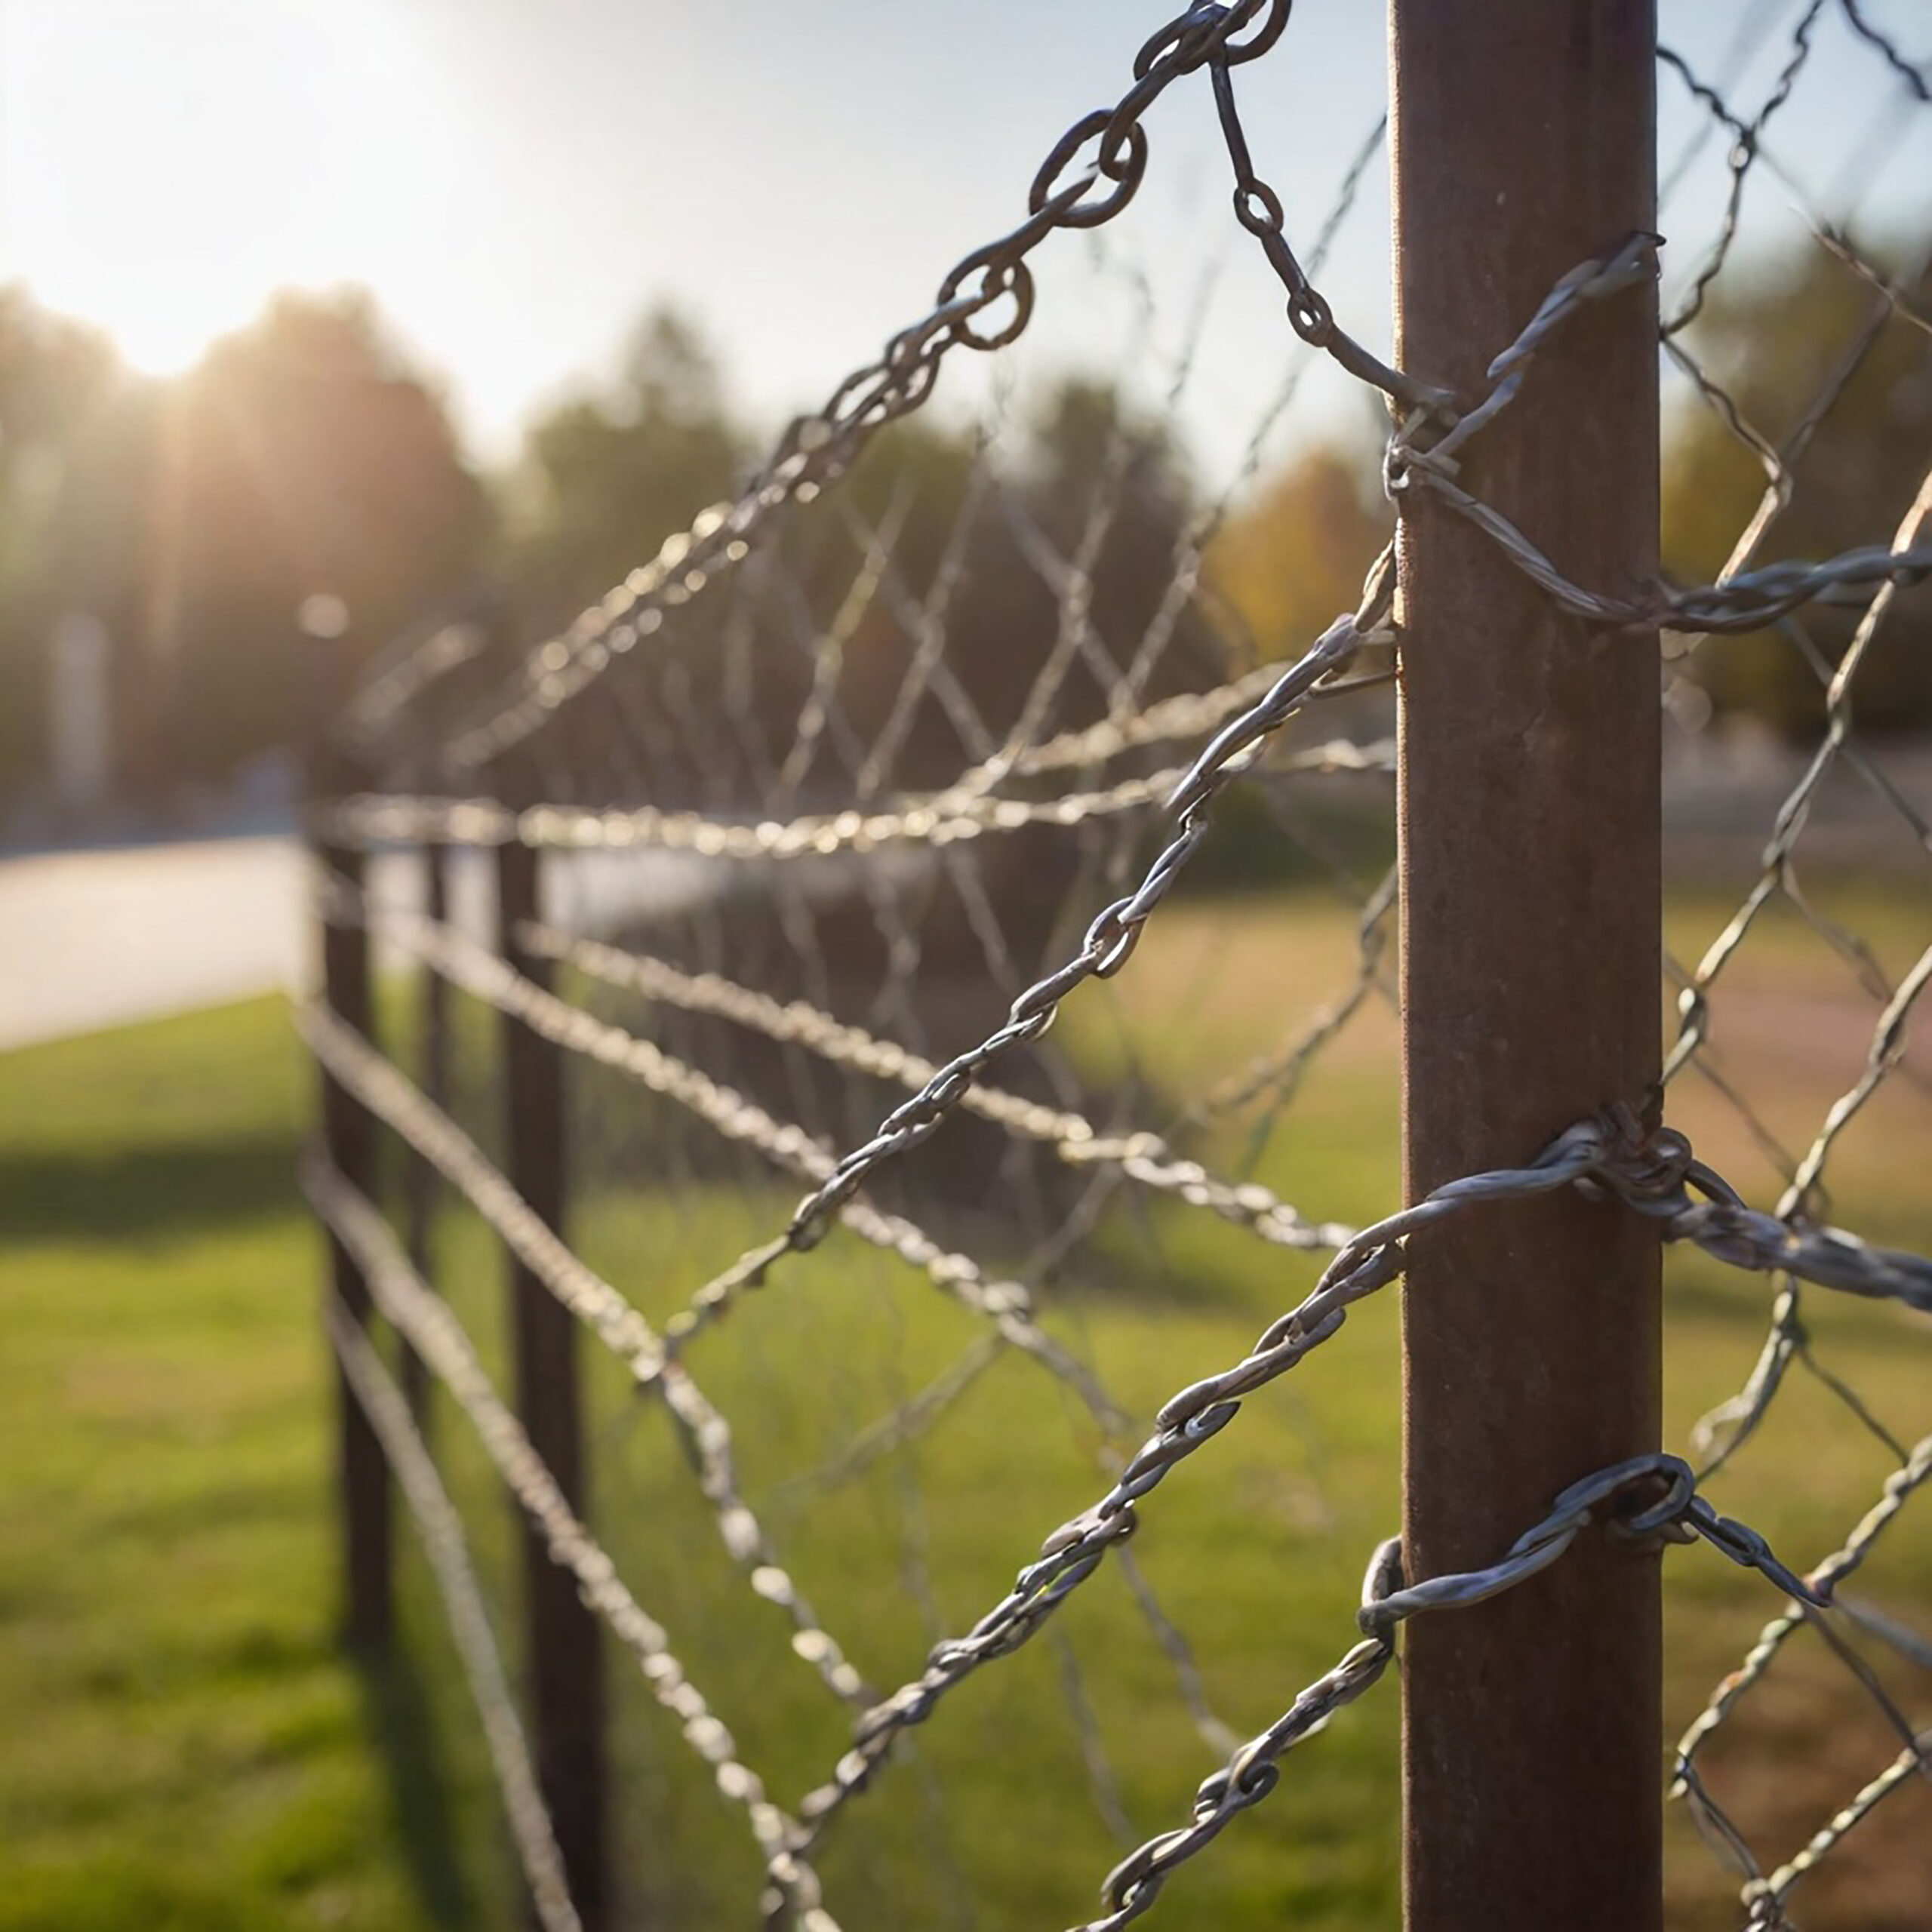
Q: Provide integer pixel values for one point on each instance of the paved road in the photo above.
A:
(95, 939)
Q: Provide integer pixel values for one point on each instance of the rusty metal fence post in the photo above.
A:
(349, 1135)
(1524, 145)
(563, 1671)
(421, 1183)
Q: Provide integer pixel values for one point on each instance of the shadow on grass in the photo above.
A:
(402, 1720)
(169, 1187)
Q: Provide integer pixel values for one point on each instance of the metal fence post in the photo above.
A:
(420, 1179)
(1524, 144)
(564, 1671)
(349, 1135)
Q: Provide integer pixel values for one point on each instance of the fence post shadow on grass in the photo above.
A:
(402, 1721)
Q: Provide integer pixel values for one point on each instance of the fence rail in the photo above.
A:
(905, 740)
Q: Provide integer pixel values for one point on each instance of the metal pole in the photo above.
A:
(349, 1133)
(420, 1179)
(1524, 144)
(565, 1670)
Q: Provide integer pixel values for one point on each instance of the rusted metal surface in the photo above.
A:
(421, 1183)
(348, 1132)
(1531, 962)
(564, 1667)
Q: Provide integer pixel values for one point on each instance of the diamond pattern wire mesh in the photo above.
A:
(1796, 985)
(864, 779)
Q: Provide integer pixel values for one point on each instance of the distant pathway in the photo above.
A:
(98, 938)
(93, 938)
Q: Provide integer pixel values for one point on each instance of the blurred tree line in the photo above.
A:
(1834, 382)
(1059, 545)
(304, 480)
(300, 479)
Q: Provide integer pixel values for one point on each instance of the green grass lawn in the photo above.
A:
(184, 1746)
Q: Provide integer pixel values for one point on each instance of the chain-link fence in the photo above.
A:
(975, 829)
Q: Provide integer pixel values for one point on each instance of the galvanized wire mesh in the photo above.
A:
(932, 727)
(1791, 1053)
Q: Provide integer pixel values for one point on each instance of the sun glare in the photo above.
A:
(164, 168)
(162, 332)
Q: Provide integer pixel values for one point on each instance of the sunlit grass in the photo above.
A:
(189, 1748)
(184, 1747)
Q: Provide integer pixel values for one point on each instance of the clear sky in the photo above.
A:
(516, 180)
